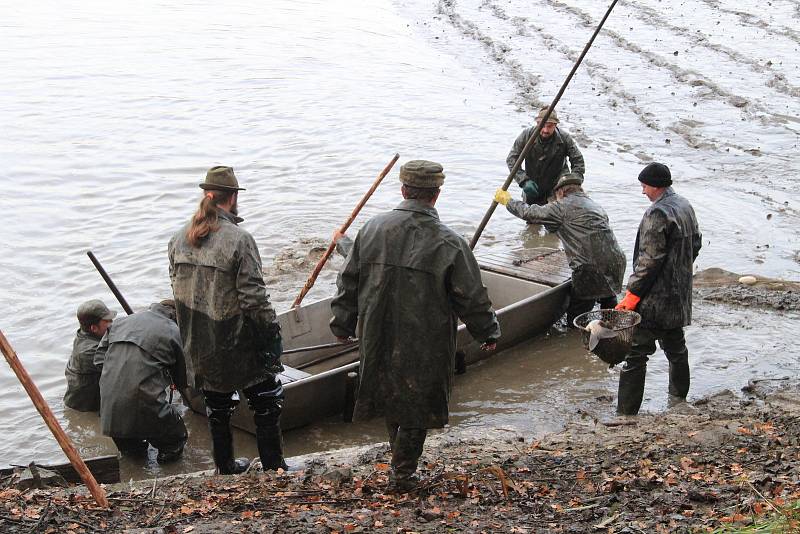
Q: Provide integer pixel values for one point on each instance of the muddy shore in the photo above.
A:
(723, 460)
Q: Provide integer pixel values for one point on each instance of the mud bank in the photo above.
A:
(724, 460)
(723, 286)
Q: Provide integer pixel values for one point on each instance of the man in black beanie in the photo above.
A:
(660, 288)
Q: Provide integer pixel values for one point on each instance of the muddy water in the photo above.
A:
(112, 113)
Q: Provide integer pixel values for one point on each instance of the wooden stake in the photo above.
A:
(343, 229)
(47, 414)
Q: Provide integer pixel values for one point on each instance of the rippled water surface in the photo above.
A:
(112, 111)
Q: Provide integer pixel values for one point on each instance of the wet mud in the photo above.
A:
(723, 286)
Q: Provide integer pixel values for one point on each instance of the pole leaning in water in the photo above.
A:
(535, 135)
(110, 283)
(343, 229)
(50, 419)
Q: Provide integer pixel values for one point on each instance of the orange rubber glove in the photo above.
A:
(629, 302)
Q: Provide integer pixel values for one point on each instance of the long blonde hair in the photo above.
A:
(206, 220)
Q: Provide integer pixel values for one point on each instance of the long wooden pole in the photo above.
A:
(535, 135)
(343, 229)
(47, 414)
(110, 283)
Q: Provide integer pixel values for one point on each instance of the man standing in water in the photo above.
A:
(546, 160)
(83, 377)
(660, 288)
(406, 281)
(229, 330)
(597, 262)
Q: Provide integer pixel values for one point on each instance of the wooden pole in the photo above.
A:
(343, 229)
(47, 414)
(535, 135)
(110, 283)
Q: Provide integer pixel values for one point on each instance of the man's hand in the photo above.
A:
(489, 345)
(337, 235)
(629, 302)
(344, 339)
(502, 197)
(531, 190)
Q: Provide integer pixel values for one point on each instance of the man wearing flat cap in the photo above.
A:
(83, 376)
(230, 333)
(660, 288)
(596, 260)
(406, 282)
(551, 155)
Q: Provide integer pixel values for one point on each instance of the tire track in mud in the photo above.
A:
(778, 80)
(748, 19)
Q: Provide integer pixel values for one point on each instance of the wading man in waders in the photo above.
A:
(83, 377)
(140, 356)
(597, 262)
(229, 329)
(546, 160)
(660, 288)
(407, 280)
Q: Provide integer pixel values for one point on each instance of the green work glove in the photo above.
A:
(271, 354)
(531, 190)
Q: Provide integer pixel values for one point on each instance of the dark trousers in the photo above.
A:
(578, 306)
(406, 445)
(632, 375)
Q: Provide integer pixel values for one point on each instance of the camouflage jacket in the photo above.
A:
(596, 260)
(83, 390)
(140, 356)
(224, 313)
(546, 160)
(406, 281)
(666, 246)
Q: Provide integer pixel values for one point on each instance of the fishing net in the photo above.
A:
(611, 350)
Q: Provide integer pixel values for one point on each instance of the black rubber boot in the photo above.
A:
(406, 450)
(222, 445)
(270, 446)
(679, 379)
(631, 389)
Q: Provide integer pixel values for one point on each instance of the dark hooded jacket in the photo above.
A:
(224, 314)
(83, 377)
(546, 160)
(666, 246)
(140, 356)
(596, 260)
(406, 281)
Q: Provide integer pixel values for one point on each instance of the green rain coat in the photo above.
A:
(224, 313)
(546, 161)
(667, 244)
(596, 260)
(406, 281)
(140, 356)
(83, 389)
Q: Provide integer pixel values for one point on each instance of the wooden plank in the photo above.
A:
(543, 265)
(104, 468)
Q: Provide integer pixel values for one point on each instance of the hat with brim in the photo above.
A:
(95, 310)
(552, 118)
(221, 178)
(422, 173)
(570, 178)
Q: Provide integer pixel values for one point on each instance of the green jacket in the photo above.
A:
(596, 260)
(83, 389)
(224, 313)
(406, 281)
(546, 160)
(140, 356)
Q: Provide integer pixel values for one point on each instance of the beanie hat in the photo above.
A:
(656, 175)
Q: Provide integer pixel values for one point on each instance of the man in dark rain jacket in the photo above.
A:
(229, 329)
(596, 260)
(546, 160)
(140, 356)
(406, 281)
(660, 288)
(83, 377)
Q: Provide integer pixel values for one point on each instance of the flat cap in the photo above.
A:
(221, 178)
(568, 178)
(656, 175)
(422, 173)
(94, 310)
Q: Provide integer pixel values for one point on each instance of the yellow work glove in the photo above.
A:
(502, 197)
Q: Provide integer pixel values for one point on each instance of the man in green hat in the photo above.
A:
(595, 257)
(230, 333)
(406, 281)
(83, 376)
(551, 155)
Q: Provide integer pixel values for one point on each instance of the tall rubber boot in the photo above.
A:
(631, 389)
(406, 450)
(270, 446)
(222, 444)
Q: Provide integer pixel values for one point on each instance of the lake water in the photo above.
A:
(112, 112)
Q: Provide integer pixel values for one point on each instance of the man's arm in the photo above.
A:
(653, 251)
(576, 163)
(253, 298)
(344, 305)
(513, 155)
(470, 300)
(551, 214)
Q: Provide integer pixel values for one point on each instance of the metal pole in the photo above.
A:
(535, 135)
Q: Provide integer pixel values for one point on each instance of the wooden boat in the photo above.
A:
(528, 288)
